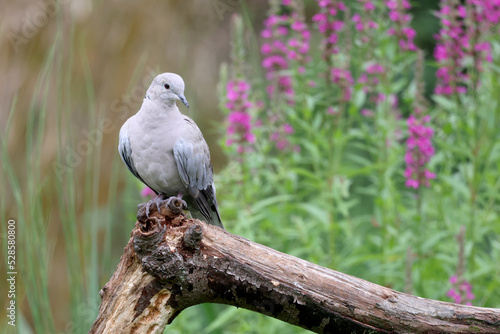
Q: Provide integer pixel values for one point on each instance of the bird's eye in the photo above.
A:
(167, 86)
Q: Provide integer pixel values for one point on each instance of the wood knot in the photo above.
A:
(103, 290)
(148, 236)
(192, 236)
(149, 225)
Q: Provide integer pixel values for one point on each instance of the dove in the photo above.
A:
(166, 150)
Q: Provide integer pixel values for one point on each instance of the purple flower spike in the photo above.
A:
(419, 152)
(398, 14)
(460, 293)
(239, 130)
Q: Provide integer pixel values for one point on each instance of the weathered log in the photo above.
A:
(172, 262)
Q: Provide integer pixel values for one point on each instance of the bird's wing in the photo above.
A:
(192, 158)
(125, 151)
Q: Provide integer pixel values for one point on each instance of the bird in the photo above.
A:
(166, 150)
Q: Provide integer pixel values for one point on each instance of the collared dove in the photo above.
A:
(166, 150)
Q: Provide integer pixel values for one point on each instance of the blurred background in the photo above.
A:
(72, 72)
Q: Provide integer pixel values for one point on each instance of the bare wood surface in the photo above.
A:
(172, 262)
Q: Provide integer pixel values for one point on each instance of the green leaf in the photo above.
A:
(321, 214)
(257, 206)
(222, 319)
(445, 103)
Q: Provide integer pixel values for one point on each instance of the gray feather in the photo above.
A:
(196, 172)
(125, 151)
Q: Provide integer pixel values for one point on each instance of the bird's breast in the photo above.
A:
(152, 152)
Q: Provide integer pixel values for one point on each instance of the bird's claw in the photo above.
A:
(176, 204)
(158, 204)
(158, 201)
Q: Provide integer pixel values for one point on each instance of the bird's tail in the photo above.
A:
(211, 215)
(216, 220)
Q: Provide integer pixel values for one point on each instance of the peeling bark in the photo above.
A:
(172, 262)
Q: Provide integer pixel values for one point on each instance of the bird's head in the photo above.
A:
(167, 88)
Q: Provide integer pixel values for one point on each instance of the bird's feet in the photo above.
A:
(175, 204)
(158, 201)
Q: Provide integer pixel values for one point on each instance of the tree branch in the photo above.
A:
(172, 262)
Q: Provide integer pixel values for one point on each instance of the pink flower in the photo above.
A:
(288, 129)
(280, 136)
(266, 33)
(419, 152)
(453, 294)
(369, 6)
(293, 43)
(265, 49)
(243, 86)
(367, 112)
(362, 20)
(409, 32)
(328, 24)
(464, 35)
(371, 77)
(239, 130)
(411, 183)
(331, 111)
(429, 175)
(320, 17)
(462, 12)
(461, 292)
(232, 95)
(282, 30)
(337, 25)
(146, 191)
(375, 68)
(283, 49)
(250, 137)
(343, 79)
(394, 16)
(282, 144)
(298, 26)
(324, 3)
(398, 14)
(392, 4)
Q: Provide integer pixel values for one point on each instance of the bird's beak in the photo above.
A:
(183, 100)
